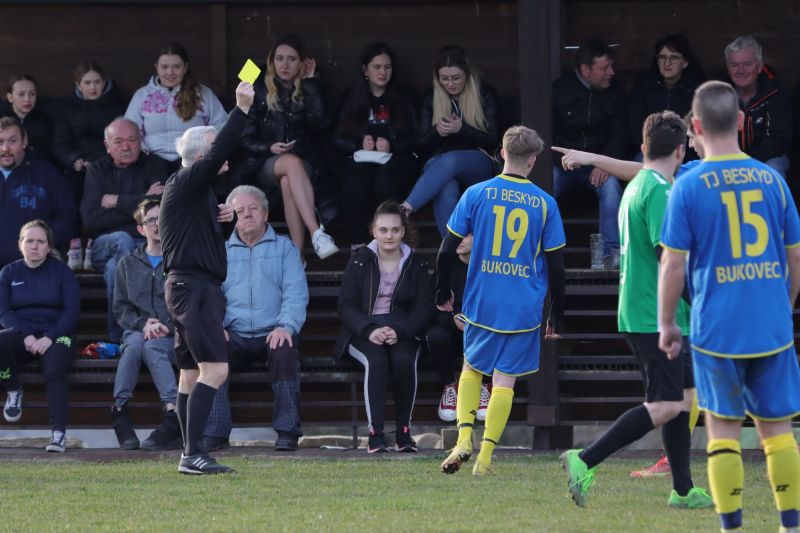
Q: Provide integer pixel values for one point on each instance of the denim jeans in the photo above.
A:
(610, 194)
(284, 364)
(107, 250)
(443, 179)
(159, 357)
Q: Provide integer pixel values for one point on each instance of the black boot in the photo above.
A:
(123, 427)
(167, 436)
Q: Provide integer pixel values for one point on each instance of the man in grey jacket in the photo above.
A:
(266, 298)
(149, 336)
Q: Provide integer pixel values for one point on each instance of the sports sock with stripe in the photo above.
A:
(783, 466)
(469, 396)
(496, 419)
(726, 480)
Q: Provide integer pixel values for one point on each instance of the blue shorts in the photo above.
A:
(513, 354)
(763, 387)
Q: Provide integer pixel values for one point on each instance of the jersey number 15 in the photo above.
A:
(748, 217)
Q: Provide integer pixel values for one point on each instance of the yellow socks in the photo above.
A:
(726, 480)
(694, 413)
(496, 418)
(783, 466)
(469, 396)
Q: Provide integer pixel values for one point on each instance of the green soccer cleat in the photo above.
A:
(696, 498)
(460, 454)
(580, 478)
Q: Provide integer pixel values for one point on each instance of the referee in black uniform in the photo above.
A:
(195, 260)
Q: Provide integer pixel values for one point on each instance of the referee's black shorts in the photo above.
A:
(197, 307)
(664, 379)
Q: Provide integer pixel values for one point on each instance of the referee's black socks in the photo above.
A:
(631, 426)
(200, 400)
(677, 439)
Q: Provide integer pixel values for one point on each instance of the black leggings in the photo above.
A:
(377, 358)
(365, 185)
(55, 363)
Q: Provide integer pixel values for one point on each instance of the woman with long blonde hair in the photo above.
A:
(458, 122)
(278, 145)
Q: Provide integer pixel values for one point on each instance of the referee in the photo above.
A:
(196, 265)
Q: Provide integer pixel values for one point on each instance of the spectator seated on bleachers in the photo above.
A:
(78, 134)
(21, 94)
(39, 304)
(115, 185)
(589, 114)
(668, 84)
(385, 306)
(148, 336)
(278, 145)
(765, 101)
(31, 189)
(266, 298)
(171, 103)
(375, 140)
(457, 132)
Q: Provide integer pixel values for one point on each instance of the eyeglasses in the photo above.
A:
(451, 79)
(662, 58)
(150, 222)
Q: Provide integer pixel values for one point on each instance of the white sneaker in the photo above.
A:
(447, 405)
(75, 255)
(323, 244)
(486, 394)
(87, 257)
(12, 411)
(57, 443)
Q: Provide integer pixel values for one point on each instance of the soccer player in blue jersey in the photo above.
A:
(517, 240)
(737, 221)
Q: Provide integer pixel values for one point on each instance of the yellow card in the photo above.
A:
(249, 72)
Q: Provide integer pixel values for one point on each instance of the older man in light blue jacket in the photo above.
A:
(266, 298)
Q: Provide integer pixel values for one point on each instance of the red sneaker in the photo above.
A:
(486, 395)
(447, 405)
(660, 469)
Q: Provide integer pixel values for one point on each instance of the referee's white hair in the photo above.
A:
(195, 141)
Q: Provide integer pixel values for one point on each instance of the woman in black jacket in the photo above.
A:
(385, 304)
(458, 131)
(78, 137)
(278, 142)
(668, 84)
(375, 139)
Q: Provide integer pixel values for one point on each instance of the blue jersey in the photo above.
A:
(735, 217)
(512, 222)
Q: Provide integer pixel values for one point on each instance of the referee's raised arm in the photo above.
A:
(205, 169)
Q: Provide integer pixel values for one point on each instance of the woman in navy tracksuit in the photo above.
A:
(39, 302)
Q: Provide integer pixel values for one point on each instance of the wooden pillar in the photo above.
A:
(218, 23)
(539, 63)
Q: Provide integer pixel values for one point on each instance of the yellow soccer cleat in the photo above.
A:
(481, 469)
(458, 455)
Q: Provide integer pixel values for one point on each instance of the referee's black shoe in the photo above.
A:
(201, 464)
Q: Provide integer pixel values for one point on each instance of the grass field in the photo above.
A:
(396, 494)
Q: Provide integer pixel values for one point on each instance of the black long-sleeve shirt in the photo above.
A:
(191, 238)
